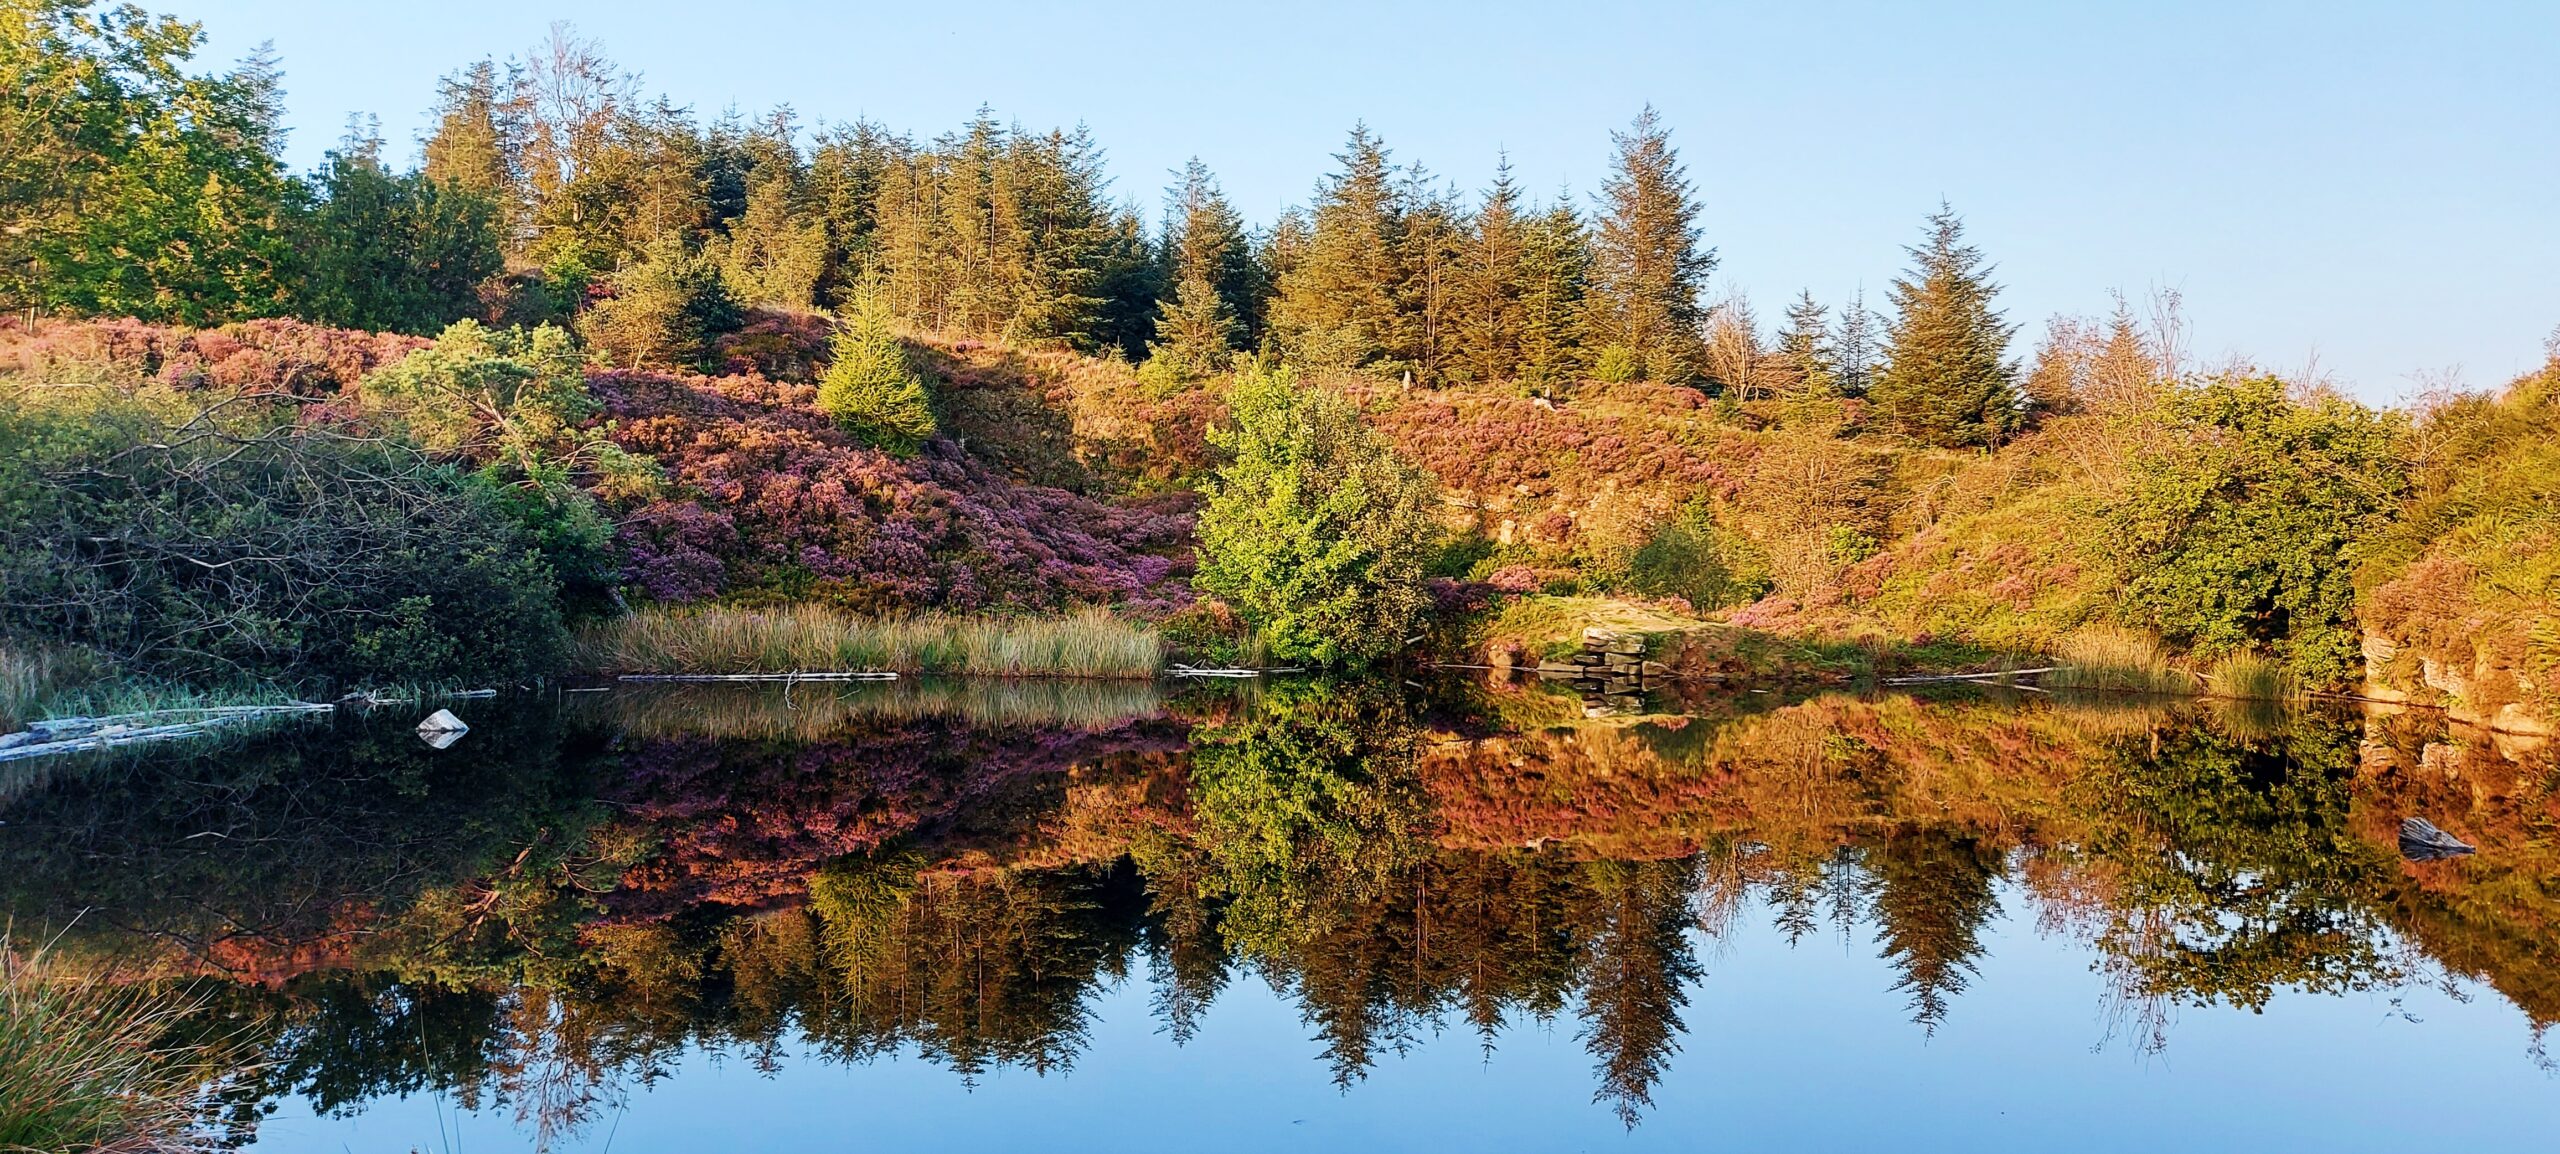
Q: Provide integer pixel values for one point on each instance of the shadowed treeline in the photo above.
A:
(578, 892)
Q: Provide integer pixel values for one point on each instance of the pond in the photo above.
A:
(1329, 915)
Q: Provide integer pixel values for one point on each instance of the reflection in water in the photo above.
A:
(557, 907)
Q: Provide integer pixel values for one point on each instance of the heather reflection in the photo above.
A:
(550, 912)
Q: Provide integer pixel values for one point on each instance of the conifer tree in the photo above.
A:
(1946, 379)
(1427, 260)
(1212, 282)
(664, 311)
(1205, 238)
(478, 143)
(1490, 284)
(1804, 349)
(402, 252)
(1555, 269)
(1854, 349)
(1337, 306)
(871, 388)
(1647, 265)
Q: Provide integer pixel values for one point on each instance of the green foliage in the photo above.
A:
(871, 388)
(664, 311)
(2244, 532)
(515, 403)
(1701, 562)
(1617, 364)
(231, 544)
(391, 251)
(1309, 798)
(1315, 532)
(1946, 379)
(127, 186)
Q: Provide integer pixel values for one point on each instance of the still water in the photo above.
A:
(1330, 916)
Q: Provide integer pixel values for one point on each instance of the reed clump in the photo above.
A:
(90, 1064)
(815, 639)
(2118, 661)
(2254, 677)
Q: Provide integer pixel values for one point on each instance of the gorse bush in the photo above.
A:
(1316, 533)
(230, 543)
(871, 388)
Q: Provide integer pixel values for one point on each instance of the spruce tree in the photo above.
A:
(871, 388)
(1212, 284)
(1205, 238)
(1853, 347)
(1337, 306)
(1489, 284)
(1804, 349)
(1947, 380)
(1555, 270)
(1647, 265)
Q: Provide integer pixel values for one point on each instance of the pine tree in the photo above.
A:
(477, 141)
(1205, 238)
(1946, 379)
(1647, 266)
(1337, 306)
(1489, 284)
(1212, 282)
(1804, 349)
(1555, 269)
(870, 387)
(402, 252)
(1427, 259)
(1853, 347)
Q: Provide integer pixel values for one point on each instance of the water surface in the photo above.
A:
(1330, 915)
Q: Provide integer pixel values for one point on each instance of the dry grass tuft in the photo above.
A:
(89, 1064)
(814, 639)
(2118, 661)
(2251, 677)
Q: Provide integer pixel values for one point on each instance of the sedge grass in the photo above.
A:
(2254, 677)
(87, 1063)
(815, 639)
(2116, 661)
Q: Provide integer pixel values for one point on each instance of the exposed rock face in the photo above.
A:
(2472, 677)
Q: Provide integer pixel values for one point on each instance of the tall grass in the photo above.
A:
(814, 639)
(87, 1063)
(43, 681)
(2252, 677)
(2116, 661)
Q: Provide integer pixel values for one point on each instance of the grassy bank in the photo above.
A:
(88, 1064)
(812, 639)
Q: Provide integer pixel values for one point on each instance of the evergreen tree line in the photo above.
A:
(550, 189)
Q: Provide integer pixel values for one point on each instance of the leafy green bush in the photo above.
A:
(1316, 532)
(871, 388)
(231, 543)
(2243, 534)
(1695, 559)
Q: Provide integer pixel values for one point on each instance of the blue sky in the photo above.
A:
(2376, 185)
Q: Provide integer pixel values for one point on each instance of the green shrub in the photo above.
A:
(1694, 559)
(2244, 533)
(1315, 532)
(229, 544)
(1617, 364)
(871, 388)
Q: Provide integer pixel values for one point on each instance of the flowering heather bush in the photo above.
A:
(779, 500)
(1076, 422)
(296, 356)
